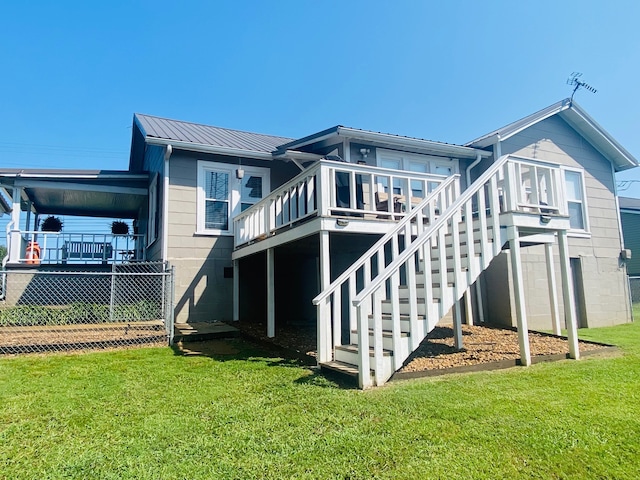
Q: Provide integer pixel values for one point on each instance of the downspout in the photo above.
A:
(621, 234)
(497, 153)
(165, 203)
(468, 170)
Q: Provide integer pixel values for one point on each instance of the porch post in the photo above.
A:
(236, 290)
(15, 240)
(457, 325)
(553, 292)
(324, 311)
(518, 287)
(568, 297)
(271, 310)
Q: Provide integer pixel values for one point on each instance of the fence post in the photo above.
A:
(171, 302)
(113, 292)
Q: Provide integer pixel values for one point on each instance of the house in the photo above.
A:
(630, 218)
(370, 237)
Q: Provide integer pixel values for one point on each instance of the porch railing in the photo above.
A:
(43, 248)
(335, 188)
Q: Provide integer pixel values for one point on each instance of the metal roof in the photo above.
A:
(179, 131)
(97, 193)
(387, 140)
(576, 118)
(627, 203)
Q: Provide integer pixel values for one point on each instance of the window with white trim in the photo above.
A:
(575, 197)
(222, 195)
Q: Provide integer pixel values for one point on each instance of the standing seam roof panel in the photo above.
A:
(208, 135)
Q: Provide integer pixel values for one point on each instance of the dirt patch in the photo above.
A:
(84, 337)
(482, 344)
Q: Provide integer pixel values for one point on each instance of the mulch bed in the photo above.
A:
(481, 345)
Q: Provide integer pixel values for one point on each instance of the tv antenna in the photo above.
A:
(574, 80)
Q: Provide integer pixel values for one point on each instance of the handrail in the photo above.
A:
(124, 245)
(312, 192)
(383, 240)
(424, 236)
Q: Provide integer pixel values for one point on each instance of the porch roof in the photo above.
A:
(96, 193)
(387, 140)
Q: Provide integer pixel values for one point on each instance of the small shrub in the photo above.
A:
(51, 224)
(118, 227)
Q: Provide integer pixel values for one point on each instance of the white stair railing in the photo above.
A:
(472, 222)
(329, 302)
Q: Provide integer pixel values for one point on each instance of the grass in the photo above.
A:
(152, 413)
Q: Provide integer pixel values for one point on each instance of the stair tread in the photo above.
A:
(342, 367)
(386, 333)
(403, 316)
(354, 349)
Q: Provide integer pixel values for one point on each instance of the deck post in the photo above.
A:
(468, 307)
(271, 310)
(568, 297)
(324, 311)
(236, 290)
(457, 325)
(553, 291)
(518, 287)
(15, 239)
(479, 300)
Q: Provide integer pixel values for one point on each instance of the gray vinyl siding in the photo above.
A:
(604, 276)
(202, 292)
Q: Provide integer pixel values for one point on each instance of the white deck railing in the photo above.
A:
(335, 188)
(42, 248)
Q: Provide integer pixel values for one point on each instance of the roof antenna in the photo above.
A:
(574, 80)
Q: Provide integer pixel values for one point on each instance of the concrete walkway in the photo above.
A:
(198, 332)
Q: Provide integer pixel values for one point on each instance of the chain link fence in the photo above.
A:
(122, 305)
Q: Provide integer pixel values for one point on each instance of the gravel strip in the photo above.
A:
(482, 344)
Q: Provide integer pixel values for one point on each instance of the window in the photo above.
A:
(414, 163)
(574, 188)
(222, 196)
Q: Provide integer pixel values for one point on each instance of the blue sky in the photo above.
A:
(74, 72)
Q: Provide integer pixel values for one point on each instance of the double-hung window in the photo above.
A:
(222, 195)
(575, 197)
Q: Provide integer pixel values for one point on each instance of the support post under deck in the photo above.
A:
(553, 292)
(324, 312)
(568, 297)
(518, 287)
(271, 304)
(236, 290)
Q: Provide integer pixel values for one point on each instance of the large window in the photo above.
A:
(575, 196)
(222, 195)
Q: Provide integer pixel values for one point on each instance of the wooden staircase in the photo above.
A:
(400, 289)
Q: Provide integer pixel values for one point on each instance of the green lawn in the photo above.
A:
(153, 414)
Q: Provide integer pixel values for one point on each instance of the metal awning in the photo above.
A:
(96, 193)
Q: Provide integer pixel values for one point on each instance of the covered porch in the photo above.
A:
(111, 195)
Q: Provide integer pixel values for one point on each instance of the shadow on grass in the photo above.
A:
(243, 348)
(249, 349)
